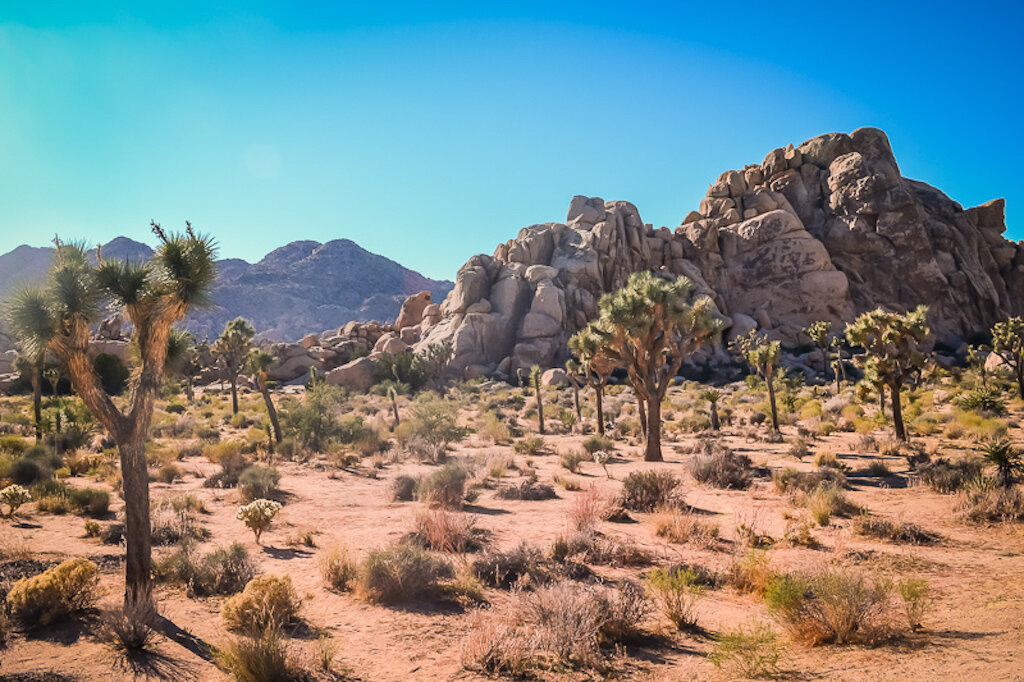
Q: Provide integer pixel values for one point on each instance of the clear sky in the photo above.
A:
(428, 132)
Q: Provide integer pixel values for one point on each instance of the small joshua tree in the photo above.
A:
(976, 357)
(259, 364)
(14, 496)
(1008, 344)
(154, 295)
(258, 515)
(535, 384)
(594, 363)
(820, 333)
(712, 396)
(763, 357)
(649, 327)
(232, 350)
(574, 373)
(892, 344)
(393, 397)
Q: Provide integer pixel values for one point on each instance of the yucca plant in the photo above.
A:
(712, 396)
(56, 318)
(1005, 458)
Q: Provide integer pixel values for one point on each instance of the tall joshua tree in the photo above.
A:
(154, 295)
(821, 335)
(892, 344)
(763, 357)
(649, 327)
(232, 350)
(712, 396)
(1008, 343)
(594, 364)
(259, 364)
(535, 375)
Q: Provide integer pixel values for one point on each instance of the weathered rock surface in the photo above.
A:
(824, 230)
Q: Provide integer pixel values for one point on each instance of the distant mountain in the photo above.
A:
(301, 287)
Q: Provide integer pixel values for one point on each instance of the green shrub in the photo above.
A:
(267, 602)
(572, 460)
(258, 482)
(258, 515)
(338, 568)
(14, 496)
(676, 591)
(221, 571)
(915, 593)
(983, 399)
(747, 651)
(89, 501)
(113, 373)
(55, 594)
(263, 658)
(645, 491)
(400, 574)
(444, 487)
(530, 447)
(722, 469)
(25, 471)
(597, 443)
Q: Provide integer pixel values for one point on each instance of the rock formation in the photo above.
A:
(824, 230)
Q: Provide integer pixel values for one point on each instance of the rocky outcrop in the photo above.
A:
(824, 230)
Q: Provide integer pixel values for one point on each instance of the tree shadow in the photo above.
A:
(182, 638)
(65, 633)
(894, 482)
(485, 511)
(286, 553)
(152, 663)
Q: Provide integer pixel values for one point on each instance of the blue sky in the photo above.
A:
(430, 132)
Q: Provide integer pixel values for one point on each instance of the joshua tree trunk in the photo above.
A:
(715, 424)
(1020, 379)
(771, 401)
(234, 395)
(394, 411)
(190, 393)
(825, 362)
(540, 409)
(642, 411)
(37, 399)
(652, 452)
(135, 477)
(576, 401)
(599, 397)
(836, 371)
(271, 410)
(897, 412)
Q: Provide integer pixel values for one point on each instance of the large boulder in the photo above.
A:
(356, 375)
(412, 310)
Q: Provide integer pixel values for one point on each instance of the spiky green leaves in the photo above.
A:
(31, 320)
(1008, 340)
(892, 341)
(186, 264)
(761, 354)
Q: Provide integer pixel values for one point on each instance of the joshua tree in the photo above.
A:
(595, 364)
(32, 367)
(892, 343)
(712, 396)
(1008, 343)
(649, 327)
(393, 397)
(763, 357)
(232, 350)
(154, 295)
(821, 335)
(574, 373)
(535, 384)
(1006, 459)
(258, 364)
(976, 357)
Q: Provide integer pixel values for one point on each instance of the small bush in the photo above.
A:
(915, 593)
(944, 476)
(981, 501)
(645, 491)
(221, 571)
(444, 488)
(258, 482)
(681, 527)
(55, 594)
(827, 460)
(594, 548)
(884, 529)
(722, 469)
(25, 471)
(751, 573)
(572, 460)
(597, 443)
(676, 591)
(824, 502)
(338, 568)
(747, 651)
(231, 467)
(588, 510)
(517, 567)
(526, 490)
(89, 501)
(529, 447)
(169, 473)
(258, 515)
(400, 574)
(403, 488)
(790, 480)
(266, 602)
(444, 531)
(264, 658)
(129, 629)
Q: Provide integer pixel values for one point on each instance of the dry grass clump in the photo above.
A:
(824, 502)
(645, 491)
(444, 488)
(572, 460)
(527, 489)
(748, 651)
(338, 568)
(588, 510)
(750, 573)
(264, 657)
(676, 591)
(129, 629)
(982, 501)
(945, 476)
(524, 565)
(55, 594)
(722, 468)
(789, 480)
(681, 527)
(266, 602)
(563, 624)
(221, 571)
(400, 574)
(444, 531)
(900, 532)
(594, 548)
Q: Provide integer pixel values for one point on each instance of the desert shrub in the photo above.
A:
(168, 473)
(89, 501)
(722, 469)
(676, 591)
(877, 469)
(434, 421)
(258, 515)
(824, 502)
(572, 460)
(826, 459)
(129, 629)
(221, 571)
(403, 488)
(55, 594)
(800, 447)
(263, 658)
(981, 501)
(588, 510)
(13, 443)
(750, 651)
(231, 466)
(563, 624)
(266, 602)
(444, 487)
(790, 480)
(645, 491)
(176, 519)
(987, 399)
(678, 526)
(522, 565)
(13, 496)
(594, 548)
(899, 532)
(495, 430)
(257, 482)
(832, 606)
(400, 574)
(338, 568)
(597, 443)
(25, 471)
(944, 476)
(526, 490)
(529, 447)
(444, 531)
(312, 422)
(751, 573)
(915, 594)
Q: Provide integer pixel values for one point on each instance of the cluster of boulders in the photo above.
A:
(821, 231)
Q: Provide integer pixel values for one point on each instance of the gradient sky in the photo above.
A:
(428, 132)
